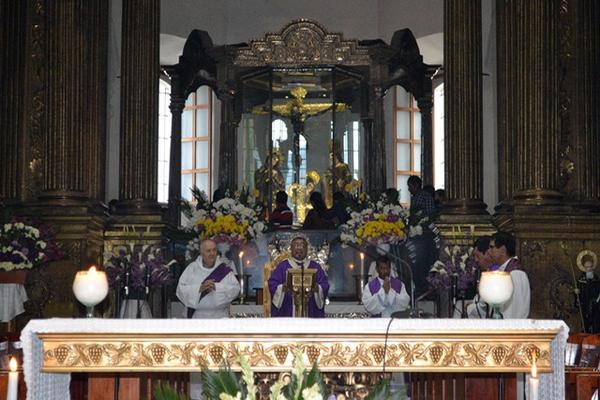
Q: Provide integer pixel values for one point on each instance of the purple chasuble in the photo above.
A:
(278, 277)
(375, 285)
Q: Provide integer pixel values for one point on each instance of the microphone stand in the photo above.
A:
(120, 315)
(138, 313)
(304, 311)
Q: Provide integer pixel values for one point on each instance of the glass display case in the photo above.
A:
(300, 132)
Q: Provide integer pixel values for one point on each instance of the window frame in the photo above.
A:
(411, 141)
(195, 139)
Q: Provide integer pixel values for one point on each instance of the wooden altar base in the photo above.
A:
(424, 386)
(443, 386)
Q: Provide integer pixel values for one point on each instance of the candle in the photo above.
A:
(362, 270)
(241, 277)
(90, 288)
(351, 267)
(534, 382)
(13, 381)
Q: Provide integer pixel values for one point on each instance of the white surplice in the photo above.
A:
(213, 305)
(517, 306)
(385, 303)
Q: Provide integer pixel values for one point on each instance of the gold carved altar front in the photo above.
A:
(432, 351)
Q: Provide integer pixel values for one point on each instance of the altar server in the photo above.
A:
(208, 285)
(384, 294)
(283, 302)
(502, 253)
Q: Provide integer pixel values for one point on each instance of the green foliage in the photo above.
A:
(302, 383)
(164, 391)
(222, 381)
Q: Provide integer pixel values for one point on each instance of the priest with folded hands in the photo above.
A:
(208, 285)
(384, 294)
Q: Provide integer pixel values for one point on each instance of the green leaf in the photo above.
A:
(164, 391)
(223, 381)
(315, 377)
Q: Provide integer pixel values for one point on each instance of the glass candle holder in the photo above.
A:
(495, 288)
(90, 288)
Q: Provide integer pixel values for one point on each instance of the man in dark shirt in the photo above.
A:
(282, 216)
(420, 201)
(421, 206)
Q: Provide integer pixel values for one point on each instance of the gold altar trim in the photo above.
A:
(426, 351)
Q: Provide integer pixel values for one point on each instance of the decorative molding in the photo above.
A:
(424, 351)
(300, 43)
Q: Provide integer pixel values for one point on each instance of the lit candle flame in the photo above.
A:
(13, 364)
(92, 269)
(534, 367)
(351, 266)
(362, 256)
(241, 254)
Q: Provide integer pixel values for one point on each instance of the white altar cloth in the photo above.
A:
(12, 299)
(55, 386)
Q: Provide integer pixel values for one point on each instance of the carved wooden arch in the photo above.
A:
(299, 43)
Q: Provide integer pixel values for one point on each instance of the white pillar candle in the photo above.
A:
(534, 382)
(241, 277)
(362, 268)
(12, 390)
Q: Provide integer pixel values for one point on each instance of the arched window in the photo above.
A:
(407, 140)
(164, 139)
(196, 133)
(438, 137)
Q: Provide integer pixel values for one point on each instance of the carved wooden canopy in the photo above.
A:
(300, 43)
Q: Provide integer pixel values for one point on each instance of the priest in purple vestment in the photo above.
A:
(282, 299)
(384, 294)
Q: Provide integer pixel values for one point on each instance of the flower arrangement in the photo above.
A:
(382, 223)
(25, 244)
(145, 264)
(302, 385)
(454, 261)
(234, 220)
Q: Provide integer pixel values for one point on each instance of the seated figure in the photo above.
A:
(384, 294)
(282, 300)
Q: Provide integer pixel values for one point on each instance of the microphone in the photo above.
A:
(147, 280)
(127, 273)
(454, 288)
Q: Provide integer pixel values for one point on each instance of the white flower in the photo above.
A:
(42, 244)
(7, 227)
(19, 225)
(312, 393)
(226, 396)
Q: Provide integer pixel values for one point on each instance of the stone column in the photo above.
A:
(586, 125)
(228, 140)
(463, 108)
(176, 107)
(12, 67)
(73, 156)
(528, 101)
(138, 158)
(374, 126)
(425, 104)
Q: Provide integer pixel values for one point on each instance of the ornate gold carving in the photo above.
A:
(459, 352)
(300, 43)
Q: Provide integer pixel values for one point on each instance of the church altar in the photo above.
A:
(54, 348)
